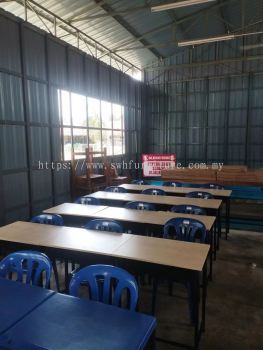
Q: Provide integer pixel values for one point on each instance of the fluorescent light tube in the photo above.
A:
(179, 4)
(195, 42)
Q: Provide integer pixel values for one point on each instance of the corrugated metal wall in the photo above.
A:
(33, 65)
(208, 112)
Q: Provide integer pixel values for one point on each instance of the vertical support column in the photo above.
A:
(27, 122)
(206, 108)
(249, 96)
(50, 121)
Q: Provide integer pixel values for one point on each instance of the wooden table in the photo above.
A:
(168, 201)
(162, 258)
(224, 195)
(213, 206)
(127, 215)
(134, 219)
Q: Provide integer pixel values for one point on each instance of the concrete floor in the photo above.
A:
(234, 317)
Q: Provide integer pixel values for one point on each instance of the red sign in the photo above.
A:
(154, 163)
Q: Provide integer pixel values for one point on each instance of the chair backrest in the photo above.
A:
(28, 265)
(200, 194)
(188, 209)
(50, 219)
(172, 184)
(115, 189)
(106, 284)
(140, 182)
(104, 225)
(154, 191)
(140, 206)
(184, 229)
(88, 200)
(213, 186)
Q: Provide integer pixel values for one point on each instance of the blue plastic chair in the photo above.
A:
(140, 206)
(154, 191)
(140, 182)
(188, 209)
(56, 220)
(104, 225)
(115, 189)
(172, 184)
(213, 186)
(184, 229)
(200, 194)
(106, 284)
(87, 201)
(49, 219)
(27, 263)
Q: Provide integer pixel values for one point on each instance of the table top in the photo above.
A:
(65, 323)
(177, 190)
(159, 251)
(150, 217)
(75, 209)
(70, 238)
(165, 252)
(163, 200)
(17, 299)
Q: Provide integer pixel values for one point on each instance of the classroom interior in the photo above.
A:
(131, 174)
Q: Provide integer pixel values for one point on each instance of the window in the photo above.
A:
(89, 121)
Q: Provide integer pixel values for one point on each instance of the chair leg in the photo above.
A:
(190, 302)
(171, 289)
(66, 276)
(54, 263)
(154, 295)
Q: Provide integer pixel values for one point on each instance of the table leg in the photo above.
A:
(215, 240)
(204, 295)
(227, 216)
(219, 226)
(196, 298)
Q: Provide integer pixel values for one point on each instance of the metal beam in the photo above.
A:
(179, 21)
(111, 13)
(84, 11)
(74, 31)
(130, 29)
(199, 64)
(157, 45)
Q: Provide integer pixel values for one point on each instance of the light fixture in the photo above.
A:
(214, 39)
(179, 4)
(206, 40)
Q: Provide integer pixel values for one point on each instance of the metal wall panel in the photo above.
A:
(9, 44)
(34, 66)
(34, 53)
(15, 190)
(37, 102)
(13, 147)
(214, 110)
(76, 71)
(41, 185)
(11, 97)
(57, 62)
(40, 145)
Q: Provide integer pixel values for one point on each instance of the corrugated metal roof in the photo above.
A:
(139, 36)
